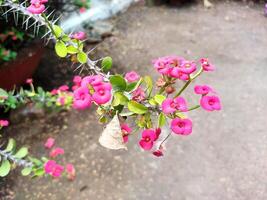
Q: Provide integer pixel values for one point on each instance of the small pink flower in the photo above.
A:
(57, 171)
(138, 94)
(54, 92)
(70, 171)
(82, 99)
(171, 105)
(148, 138)
(29, 81)
(77, 80)
(177, 73)
(49, 143)
(132, 76)
(91, 80)
(4, 123)
(126, 130)
(181, 126)
(49, 166)
(174, 61)
(161, 64)
(61, 100)
(36, 8)
(206, 65)
(79, 35)
(102, 95)
(55, 152)
(210, 103)
(188, 67)
(63, 88)
(202, 89)
(82, 10)
(158, 153)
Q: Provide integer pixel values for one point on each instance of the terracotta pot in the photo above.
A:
(15, 73)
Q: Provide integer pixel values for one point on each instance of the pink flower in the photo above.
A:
(181, 126)
(91, 81)
(102, 95)
(148, 138)
(36, 8)
(82, 10)
(49, 166)
(29, 81)
(177, 73)
(158, 153)
(82, 99)
(54, 92)
(174, 61)
(210, 103)
(126, 130)
(52, 168)
(79, 35)
(63, 88)
(4, 123)
(70, 171)
(171, 105)
(55, 152)
(61, 100)
(158, 132)
(77, 80)
(49, 143)
(138, 94)
(202, 89)
(188, 67)
(57, 171)
(161, 64)
(206, 65)
(132, 76)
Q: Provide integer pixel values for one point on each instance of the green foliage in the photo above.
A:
(161, 120)
(5, 168)
(61, 49)
(119, 99)
(57, 30)
(136, 107)
(82, 57)
(106, 64)
(149, 84)
(118, 83)
(133, 86)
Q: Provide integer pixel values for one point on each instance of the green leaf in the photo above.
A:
(159, 98)
(39, 172)
(72, 49)
(61, 49)
(3, 94)
(152, 102)
(106, 63)
(22, 152)
(103, 120)
(118, 83)
(57, 31)
(82, 57)
(65, 38)
(161, 120)
(5, 168)
(35, 161)
(119, 99)
(11, 145)
(126, 114)
(26, 171)
(149, 84)
(136, 107)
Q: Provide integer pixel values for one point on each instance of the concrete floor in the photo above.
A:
(226, 156)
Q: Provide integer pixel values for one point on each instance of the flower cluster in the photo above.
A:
(37, 6)
(90, 89)
(51, 167)
(3, 123)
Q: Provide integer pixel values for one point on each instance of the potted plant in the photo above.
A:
(19, 53)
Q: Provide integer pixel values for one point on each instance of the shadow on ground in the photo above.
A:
(224, 158)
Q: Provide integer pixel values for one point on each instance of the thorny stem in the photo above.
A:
(19, 162)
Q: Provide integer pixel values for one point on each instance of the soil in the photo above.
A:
(224, 158)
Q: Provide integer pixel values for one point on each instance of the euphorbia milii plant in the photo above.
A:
(128, 104)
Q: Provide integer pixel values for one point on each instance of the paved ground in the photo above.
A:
(226, 156)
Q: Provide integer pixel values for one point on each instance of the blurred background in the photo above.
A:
(226, 156)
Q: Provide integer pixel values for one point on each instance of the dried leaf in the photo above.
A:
(111, 136)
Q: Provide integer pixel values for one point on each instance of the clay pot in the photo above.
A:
(15, 73)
